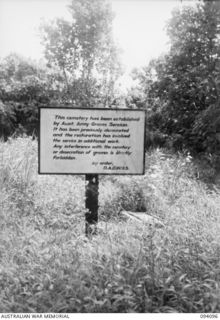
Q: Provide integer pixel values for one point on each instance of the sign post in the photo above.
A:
(92, 191)
(91, 142)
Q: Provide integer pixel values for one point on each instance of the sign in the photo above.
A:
(91, 141)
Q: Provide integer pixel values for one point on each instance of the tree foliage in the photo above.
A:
(84, 50)
(182, 88)
(25, 86)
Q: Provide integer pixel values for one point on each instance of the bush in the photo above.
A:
(121, 194)
(155, 139)
(205, 130)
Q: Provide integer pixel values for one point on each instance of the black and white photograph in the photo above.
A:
(109, 158)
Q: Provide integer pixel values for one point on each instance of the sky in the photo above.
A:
(138, 27)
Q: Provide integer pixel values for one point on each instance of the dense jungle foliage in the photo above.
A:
(181, 89)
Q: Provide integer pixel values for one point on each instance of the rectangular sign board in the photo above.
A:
(91, 141)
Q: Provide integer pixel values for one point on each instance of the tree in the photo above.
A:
(182, 85)
(84, 50)
(25, 86)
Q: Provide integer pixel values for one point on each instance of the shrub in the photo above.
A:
(121, 194)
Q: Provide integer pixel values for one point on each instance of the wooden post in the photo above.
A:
(92, 191)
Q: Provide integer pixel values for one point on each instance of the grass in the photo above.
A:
(48, 265)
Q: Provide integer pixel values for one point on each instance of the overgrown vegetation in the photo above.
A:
(46, 262)
(80, 69)
(48, 265)
(181, 89)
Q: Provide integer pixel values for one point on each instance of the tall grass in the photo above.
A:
(48, 265)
